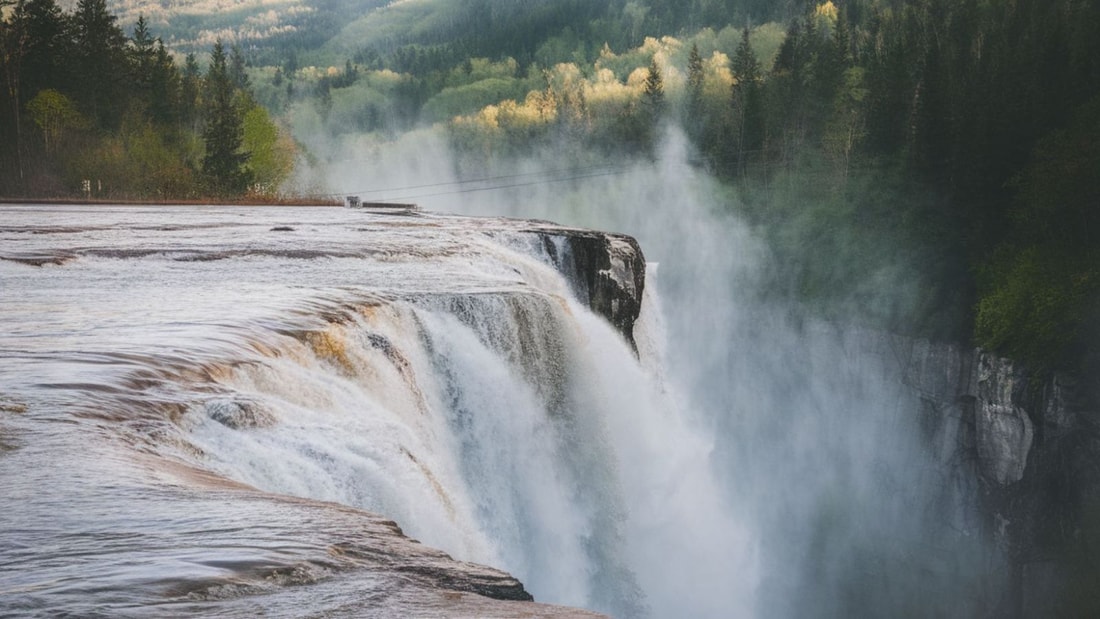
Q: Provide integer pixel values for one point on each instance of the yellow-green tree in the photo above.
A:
(271, 151)
(54, 114)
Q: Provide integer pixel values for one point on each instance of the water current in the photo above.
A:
(174, 376)
(228, 411)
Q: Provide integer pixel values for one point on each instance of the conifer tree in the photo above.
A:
(237, 74)
(143, 41)
(695, 73)
(101, 62)
(47, 47)
(695, 119)
(747, 104)
(190, 87)
(142, 53)
(654, 90)
(13, 44)
(165, 88)
(223, 164)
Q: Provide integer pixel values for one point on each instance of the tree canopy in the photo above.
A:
(86, 110)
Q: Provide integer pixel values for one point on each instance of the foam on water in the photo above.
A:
(176, 382)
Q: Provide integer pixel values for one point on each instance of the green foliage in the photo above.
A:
(47, 47)
(271, 151)
(100, 62)
(135, 162)
(109, 115)
(871, 248)
(55, 115)
(469, 98)
(1036, 306)
(654, 90)
(1041, 288)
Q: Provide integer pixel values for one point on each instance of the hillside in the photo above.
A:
(931, 164)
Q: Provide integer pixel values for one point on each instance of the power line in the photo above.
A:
(496, 187)
(572, 172)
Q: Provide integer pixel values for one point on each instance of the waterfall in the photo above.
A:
(724, 456)
(515, 429)
(853, 485)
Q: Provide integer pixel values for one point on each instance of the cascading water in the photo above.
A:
(436, 371)
(512, 429)
(197, 405)
(817, 434)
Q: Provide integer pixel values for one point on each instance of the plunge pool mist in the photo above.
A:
(812, 430)
(198, 403)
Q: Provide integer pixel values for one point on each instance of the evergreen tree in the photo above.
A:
(190, 92)
(695, 72)
(745, 66)
(47, 51)
(223, 166)
(13, 46)
(654, 91)
(694, 120)
(142, 59)
(101, 62)
(142, 40)
(165, 104)
(238, 76)
(746, 99)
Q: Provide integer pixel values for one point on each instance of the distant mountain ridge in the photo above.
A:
(192, 25)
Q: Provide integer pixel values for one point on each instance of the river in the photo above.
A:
(232, 411)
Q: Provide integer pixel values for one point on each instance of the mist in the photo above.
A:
(807, 425)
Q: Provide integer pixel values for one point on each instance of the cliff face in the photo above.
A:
(1030, 448)
(606, 271)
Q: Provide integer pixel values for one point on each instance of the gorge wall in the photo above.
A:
(1025, 452)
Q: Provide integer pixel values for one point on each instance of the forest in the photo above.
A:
(861, 137)
(91, 111)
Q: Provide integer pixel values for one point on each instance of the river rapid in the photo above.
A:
(245, 411)
(223, 410)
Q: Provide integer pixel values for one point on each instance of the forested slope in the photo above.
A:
(948, 145)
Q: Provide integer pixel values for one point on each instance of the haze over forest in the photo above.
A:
(946, 150)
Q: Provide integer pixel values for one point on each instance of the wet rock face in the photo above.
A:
(1031, 446)
(606, 271)
(1003, 430)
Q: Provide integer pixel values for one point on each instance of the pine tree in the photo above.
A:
(190, 93)
(101, 62)
(165, 88)
(44, 63)
(237, 74)
(143, 41)
(746, 98)
(223, 164)
(695, 72)
(694, 120)
(745, 66)
(654, 90)
(13, 45)
(142, 59)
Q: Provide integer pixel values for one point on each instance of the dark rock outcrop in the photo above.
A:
(606, 271)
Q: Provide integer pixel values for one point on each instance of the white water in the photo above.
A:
(752, 462)
(515, 430)
(418, 367)
(808, 429)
